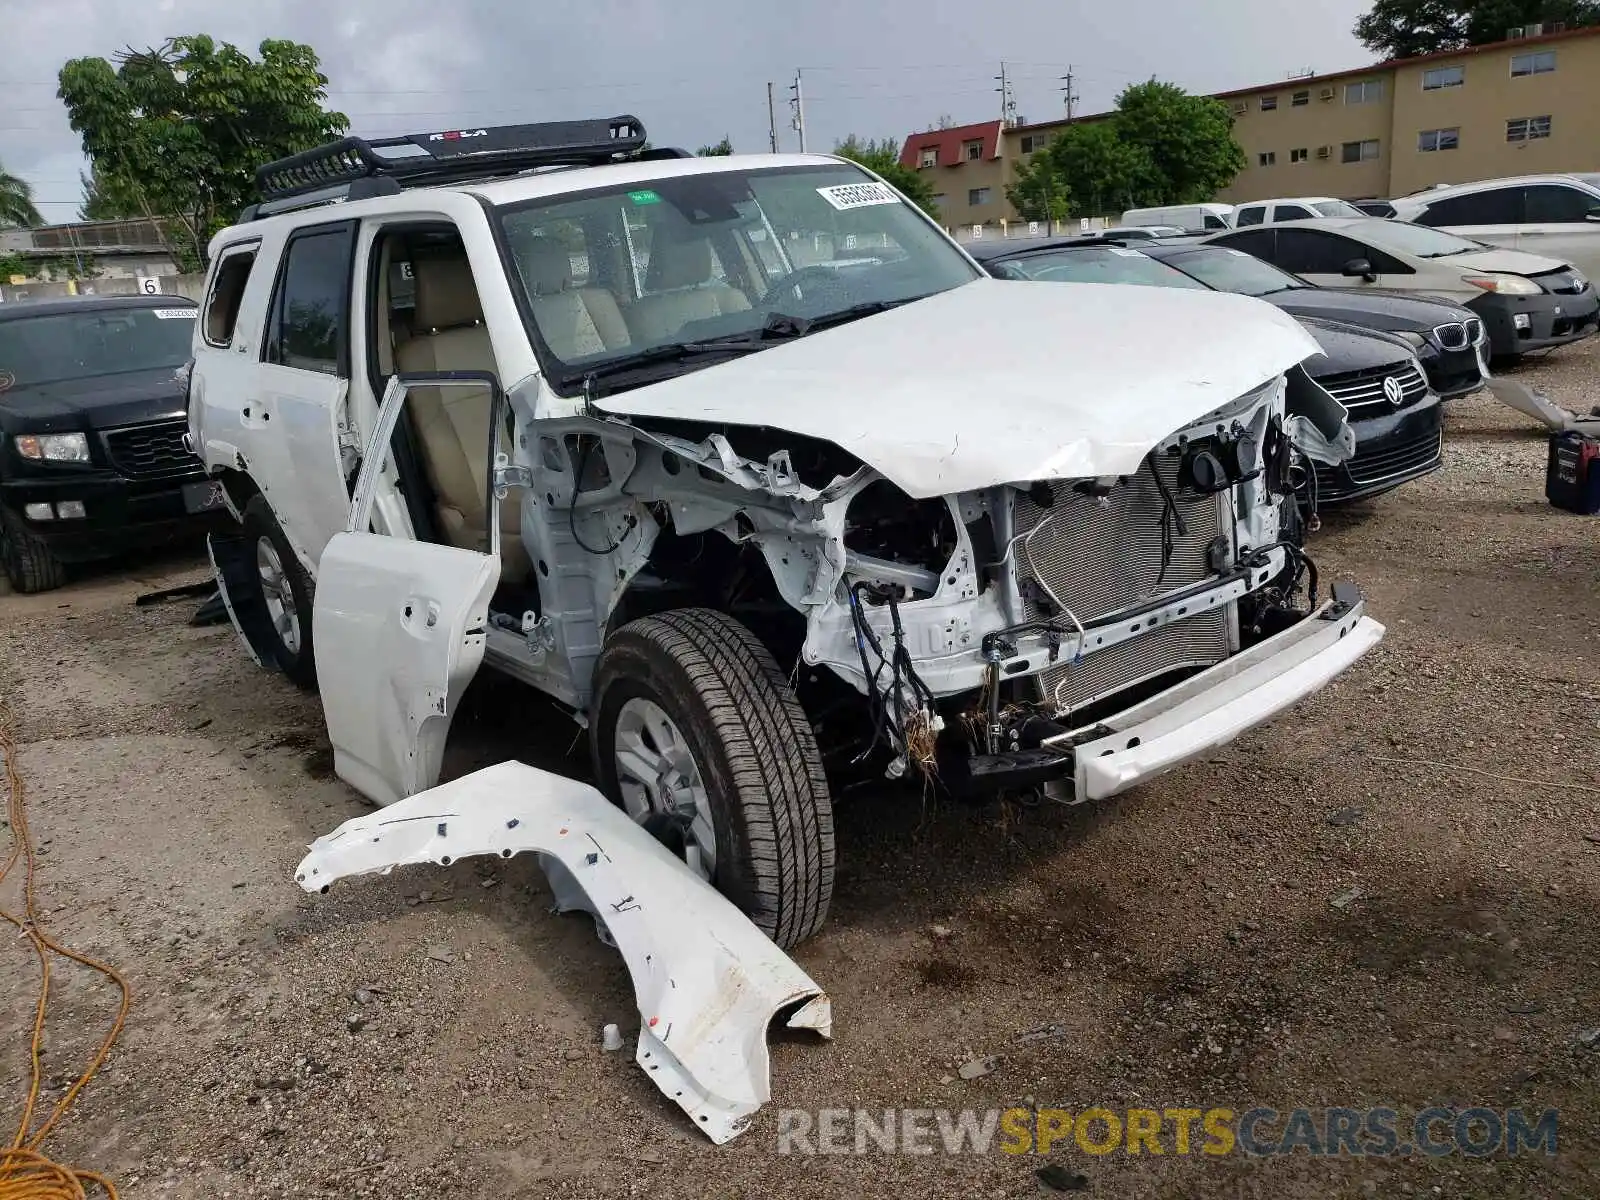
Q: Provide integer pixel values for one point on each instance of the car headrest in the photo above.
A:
(446, 297)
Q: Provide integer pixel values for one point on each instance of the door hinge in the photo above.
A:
(507, 476)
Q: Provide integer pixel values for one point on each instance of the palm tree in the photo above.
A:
(16, 202)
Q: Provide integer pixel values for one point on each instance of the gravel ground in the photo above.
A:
(1183, 938)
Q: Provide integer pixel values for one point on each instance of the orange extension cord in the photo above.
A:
(25, 1172)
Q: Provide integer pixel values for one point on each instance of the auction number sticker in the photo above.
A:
(175, 314)
(858, 195)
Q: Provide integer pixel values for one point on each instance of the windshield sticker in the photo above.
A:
(175, 314)
(1124, 252)
(858, 195)
(644, 197)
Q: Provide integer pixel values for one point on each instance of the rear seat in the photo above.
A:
(679, 289)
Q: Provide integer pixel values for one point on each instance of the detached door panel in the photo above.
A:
(399, 629)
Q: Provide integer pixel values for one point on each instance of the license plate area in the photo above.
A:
(204, 496)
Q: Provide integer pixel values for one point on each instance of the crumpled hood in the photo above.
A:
(998, 382)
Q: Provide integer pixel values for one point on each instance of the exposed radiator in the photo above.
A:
(1099, 558)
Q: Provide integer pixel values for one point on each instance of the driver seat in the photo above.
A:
(679, 289)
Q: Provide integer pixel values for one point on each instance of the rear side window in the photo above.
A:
(227, 292)
(309, 328)
(1250, 216)
(1213, 221)
(1498, 206)
(1292, 212)
(1257, 242)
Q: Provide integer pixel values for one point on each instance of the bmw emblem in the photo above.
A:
(1395, 394)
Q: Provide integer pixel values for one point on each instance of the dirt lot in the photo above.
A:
(1184, 937)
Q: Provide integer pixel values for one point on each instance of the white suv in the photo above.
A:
(1557, 216)
(752, 470)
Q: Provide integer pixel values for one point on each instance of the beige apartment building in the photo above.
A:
(1526, 105)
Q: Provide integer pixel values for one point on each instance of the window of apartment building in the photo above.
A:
(1268, 103)
(1540, 62)
(1527, 129)
(1443, 77)
(1300, 155)
(972, 151)
(1267, 158)
(1365, 151)
(977, 196)
(928, 157)
(1025, 144)
(1430, 140)
(1300, 99)
(1368, 92)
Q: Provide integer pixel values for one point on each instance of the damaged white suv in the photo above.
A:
(745, 463)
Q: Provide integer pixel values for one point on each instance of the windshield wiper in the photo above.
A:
(778, 327)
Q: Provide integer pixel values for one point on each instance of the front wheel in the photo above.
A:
(29, 565)
(284, 593)
(697, 735)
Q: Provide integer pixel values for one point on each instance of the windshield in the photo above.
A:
(1418, 240)
(1337, 208)
(1235, 271)
(82, 345)
(1098, 264)
(627, 272)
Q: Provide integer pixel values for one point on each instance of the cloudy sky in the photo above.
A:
(691, 70)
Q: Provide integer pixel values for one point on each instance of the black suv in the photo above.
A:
(93, 417)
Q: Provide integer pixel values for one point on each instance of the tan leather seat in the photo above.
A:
(680, 289)
(452, 424)
(576, 322)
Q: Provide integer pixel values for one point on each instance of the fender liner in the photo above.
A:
(707, 982)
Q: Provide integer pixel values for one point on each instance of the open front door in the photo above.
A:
(399, 626)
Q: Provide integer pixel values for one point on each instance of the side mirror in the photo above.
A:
(1360, 268)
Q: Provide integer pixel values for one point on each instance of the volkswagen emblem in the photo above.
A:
(1393, 391)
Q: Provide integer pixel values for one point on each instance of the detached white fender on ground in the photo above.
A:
(708, 983)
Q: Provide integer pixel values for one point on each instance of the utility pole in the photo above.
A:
(1067, 93)
(772, 121)
(1008, 106)
(798, 103)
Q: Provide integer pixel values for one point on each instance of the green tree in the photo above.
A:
(177, 131)
(1407, 28)
(721, 150)
(1160, 146)
(1089, 169)
(882, 155)
(1188, 141)
(104, 200)
(16, 202)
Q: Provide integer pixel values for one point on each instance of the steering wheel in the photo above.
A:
(821, 279)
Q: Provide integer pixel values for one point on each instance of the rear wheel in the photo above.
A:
(697, 734)
(284, 592)
(29, 565)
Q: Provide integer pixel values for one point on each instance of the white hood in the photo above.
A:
(1509, 262)
(997, 382)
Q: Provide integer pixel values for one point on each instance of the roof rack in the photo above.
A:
(354, 167)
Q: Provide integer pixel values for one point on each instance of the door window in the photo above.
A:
(1252, 214)
(309, 328)
(1549, 203)
(1493, 206)
(1312, 252)
(1292, 212)
(1258, 242)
